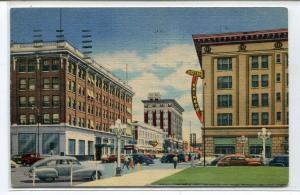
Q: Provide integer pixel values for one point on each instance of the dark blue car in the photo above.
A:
(280, 161)
(142, 159)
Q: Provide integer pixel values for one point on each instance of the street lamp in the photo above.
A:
(38, 127)
(243, 140)
(264, 135)
(118, 129)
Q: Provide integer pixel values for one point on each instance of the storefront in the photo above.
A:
(224, 145)
(256, 146)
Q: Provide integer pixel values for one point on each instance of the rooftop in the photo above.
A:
(52, 46)
(237, 37)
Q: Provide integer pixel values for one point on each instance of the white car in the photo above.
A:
(54, 167)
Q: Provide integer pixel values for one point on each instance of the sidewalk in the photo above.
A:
(140, 178)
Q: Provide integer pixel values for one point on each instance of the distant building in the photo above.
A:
(246, 89)
(165, 114)
(62, 102)
(149, 139)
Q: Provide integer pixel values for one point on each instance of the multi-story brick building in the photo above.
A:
(165, 114)
(63, 102)
(245, 89)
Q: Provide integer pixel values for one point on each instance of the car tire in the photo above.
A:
(93, 177)
(47, 179)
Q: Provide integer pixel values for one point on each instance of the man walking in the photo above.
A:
(175, 161)
(126, 163)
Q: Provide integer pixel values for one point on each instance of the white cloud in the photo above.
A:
(179, 57)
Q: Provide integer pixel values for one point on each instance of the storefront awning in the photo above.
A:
(254, 141)
(104, 145)
(224, 141)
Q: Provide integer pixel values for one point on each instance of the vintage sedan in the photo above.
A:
(238, 160)
(55, 167)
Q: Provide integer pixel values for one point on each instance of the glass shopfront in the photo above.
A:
(224, 145)
(26, 143)
(51, 143)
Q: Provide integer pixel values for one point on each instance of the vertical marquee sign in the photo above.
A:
(195, 74)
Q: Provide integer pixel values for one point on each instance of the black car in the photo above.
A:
(280, 161)
(168, 158)
(142, 159)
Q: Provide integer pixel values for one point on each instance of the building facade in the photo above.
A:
(245, 89)
(149, 139)
(165, 114)
(63, 102)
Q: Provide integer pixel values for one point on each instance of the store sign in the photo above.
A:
(195, 74)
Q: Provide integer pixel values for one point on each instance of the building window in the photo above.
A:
(55, 118)
(74, 104)
(278, 58)
(81, 147)
(265, 118)
(73, 86)
(72, 146)
(264, 61)
(22, 101)
(278, 77)
(46, 65)
(225, 82)
(50, 143)
(31, 101)
(254, 100)
(225, 119)
(31, 66)
(46, 83)
(22, 68)
(264, 80)
(264, 99)
(55, 100)
(22, 119)
(224, 101)
(46, 118)
(55, 83)
(32, 119)
(254, 81)
(26, 143)
(255, 119)
(224, 64)
(254, 62)
(74, 121)
(287, 98)
(287, 79)
(69, 119)
(46, 101)
(55, 65)
(74, 69)
(278, 116)
(278, 96)
(31, 83)
(22, 84)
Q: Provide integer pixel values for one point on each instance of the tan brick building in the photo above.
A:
(63, 102)
(246, 89)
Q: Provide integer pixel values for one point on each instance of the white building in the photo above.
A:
(146, 135)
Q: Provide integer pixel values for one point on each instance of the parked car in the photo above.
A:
(112, 158)
(30, 158)
(16, 158)
(280, 160)
(168, 158)
(13, 164)
(142, 159)
(238, 160)
(55, 167)
(216, 160)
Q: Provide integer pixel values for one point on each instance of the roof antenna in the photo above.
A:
(37, 38)
(86, 43)
(60, 37)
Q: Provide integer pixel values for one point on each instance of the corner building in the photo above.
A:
(63, 102)
(245, 89)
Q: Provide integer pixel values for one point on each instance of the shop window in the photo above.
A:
(72, 146)
(26, 143)
(50, 143)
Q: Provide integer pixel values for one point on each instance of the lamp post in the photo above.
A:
(118, 129)
(264, 135)
(38, 127)
(243, 140)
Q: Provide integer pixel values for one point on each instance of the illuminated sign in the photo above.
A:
(195, 74)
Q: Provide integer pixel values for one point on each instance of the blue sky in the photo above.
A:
(155, 43)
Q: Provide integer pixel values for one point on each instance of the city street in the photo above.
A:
(19, 180)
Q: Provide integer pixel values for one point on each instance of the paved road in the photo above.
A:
(19, 180)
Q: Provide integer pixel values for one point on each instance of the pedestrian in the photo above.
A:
(126, 163)
(131, 163)
(190, 156)
(175, 161)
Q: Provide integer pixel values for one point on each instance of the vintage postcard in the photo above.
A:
(149, 97)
